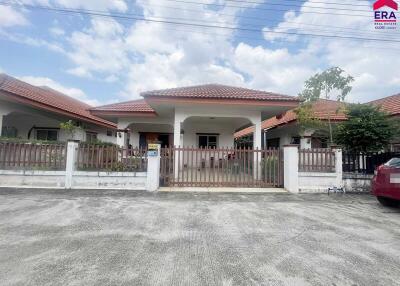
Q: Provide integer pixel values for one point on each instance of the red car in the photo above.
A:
(386, 183)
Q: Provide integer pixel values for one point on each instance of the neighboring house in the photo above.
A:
(198, 116)
(31, 112)
(391, 105)
(284, 128)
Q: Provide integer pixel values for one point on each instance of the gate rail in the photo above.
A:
(221, 167)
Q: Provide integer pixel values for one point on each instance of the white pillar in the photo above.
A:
(291, 168)
(305, 142)
(121, 139)
(338, 167)
(178, 142)
(257, 170)
(153, 169)
(1, 123)
(72, 153)
(177, 132)
(257, 134)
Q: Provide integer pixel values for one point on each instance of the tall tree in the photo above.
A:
(367, 129)
(330, 84)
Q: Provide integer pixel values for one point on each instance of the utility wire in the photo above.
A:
(232, 28)
(268, 20)
(296, 1)
(267, 9)
(282, 4)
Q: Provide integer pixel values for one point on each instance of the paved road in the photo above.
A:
(117, 238)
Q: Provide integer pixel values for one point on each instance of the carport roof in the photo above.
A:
(320, 109)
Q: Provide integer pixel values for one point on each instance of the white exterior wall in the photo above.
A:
(225, 131)
(285, 133)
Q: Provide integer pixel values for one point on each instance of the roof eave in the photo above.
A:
(123, 113)
(17, 98)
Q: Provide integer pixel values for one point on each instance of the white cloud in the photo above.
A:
(374, 65)
(57, 31)
(149, 55)
(99, 49)
(70, 91)
(10, 17)
(117, 5)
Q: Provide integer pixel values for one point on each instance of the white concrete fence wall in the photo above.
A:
(309, 182)
(74, 179)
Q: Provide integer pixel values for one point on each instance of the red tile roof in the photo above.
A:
(321, 109)
(138, 105)
(218, 91)
(48, 99)
(390, 104)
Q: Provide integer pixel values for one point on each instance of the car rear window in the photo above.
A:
(394, 162)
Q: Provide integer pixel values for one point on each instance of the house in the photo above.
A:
(284, 128)
(31, 112)
(391, 105)
(198, 116)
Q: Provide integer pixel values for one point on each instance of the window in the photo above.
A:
(210, 141)
(295, 140)
(47, 134)
(273, 143)
(109, 133)
(8, 131)
(91, 137)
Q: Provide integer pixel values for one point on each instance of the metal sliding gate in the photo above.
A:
(221, 167)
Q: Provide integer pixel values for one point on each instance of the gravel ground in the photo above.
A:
(53, 237)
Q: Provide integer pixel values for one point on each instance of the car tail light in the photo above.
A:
(380, 167)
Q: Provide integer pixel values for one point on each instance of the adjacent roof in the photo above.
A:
(135, 106)
(390, 104)
(48, 99)
(320, 108)
(218, 91)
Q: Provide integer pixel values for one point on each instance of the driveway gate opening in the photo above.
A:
(223, 167)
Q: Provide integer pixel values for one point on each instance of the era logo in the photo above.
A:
(382, 15)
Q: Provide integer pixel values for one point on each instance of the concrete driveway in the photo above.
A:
(52, 237)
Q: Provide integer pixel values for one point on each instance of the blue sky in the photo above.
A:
(103, 59)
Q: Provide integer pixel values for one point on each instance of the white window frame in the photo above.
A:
(47, 129)
(208, 135)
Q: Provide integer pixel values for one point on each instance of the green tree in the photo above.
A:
(367, 129)
(331, 83)
(69, 127)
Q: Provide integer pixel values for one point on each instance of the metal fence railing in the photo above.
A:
(111, 158)
(35, 156)
(317, 160)
(221, 167)
(365, 162)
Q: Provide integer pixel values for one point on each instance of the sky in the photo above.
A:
(114, 56)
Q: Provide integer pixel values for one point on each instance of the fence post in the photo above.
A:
(153, 168)
(338, 165)
(72, 154)
(291, 168)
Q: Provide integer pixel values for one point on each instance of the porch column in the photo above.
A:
(305, 140)
(257, 171)
(1, 123)
(177, 133)
(177, 143)
(257, 134)
(121, 139)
